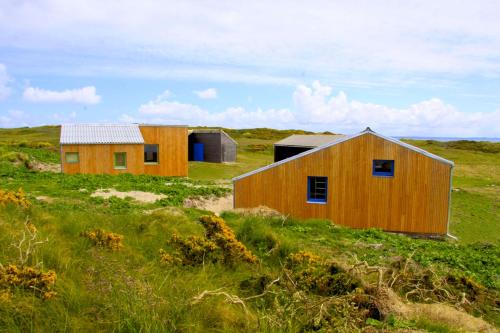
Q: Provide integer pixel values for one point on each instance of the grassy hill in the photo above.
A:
(128, 266)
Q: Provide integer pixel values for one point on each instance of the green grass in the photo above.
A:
(131, 291)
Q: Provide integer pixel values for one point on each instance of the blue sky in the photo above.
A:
(421, 68)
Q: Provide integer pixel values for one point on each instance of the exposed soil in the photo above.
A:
(45, 199)
(140, 196)
(389, 302)
(262, 211)
(215, 205)
(46, 167)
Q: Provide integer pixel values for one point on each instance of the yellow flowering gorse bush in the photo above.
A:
(30, 278)
(16, 198)
(219, 244)
(104, 238)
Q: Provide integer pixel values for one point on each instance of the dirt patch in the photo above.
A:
(147, 197)
(262, 211)
(45, 199)
(46, 167)
(389, 302)
(216, 205)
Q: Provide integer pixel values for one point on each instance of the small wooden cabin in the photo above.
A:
(364, 180)
(299, 143)
(124, 148)
(211, 145)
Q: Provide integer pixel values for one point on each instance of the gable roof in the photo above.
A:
(340, 140)
(212, 130)
(306, 140)
(101, 134)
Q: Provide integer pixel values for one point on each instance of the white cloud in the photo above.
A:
(5, 90)
(164, 95)
(316, 37)
(317, 108)
(209, 93)
(85, 95)
(173, 112)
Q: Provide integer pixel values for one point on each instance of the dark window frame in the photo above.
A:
(157, 154)
(317, 198)
(383, 173)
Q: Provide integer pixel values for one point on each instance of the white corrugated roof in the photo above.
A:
(308, 140)
(101, 134)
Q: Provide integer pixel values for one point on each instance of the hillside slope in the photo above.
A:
(74, 261)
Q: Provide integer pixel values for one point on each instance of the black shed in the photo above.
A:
(211, 145)
(298, 143)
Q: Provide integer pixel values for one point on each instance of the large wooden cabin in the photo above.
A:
(124, 148)
(364, 180)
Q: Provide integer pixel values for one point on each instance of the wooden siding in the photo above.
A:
(415, 200)
(173, 150)
(99, 158)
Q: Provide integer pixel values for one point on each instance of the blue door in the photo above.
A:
(198, 151)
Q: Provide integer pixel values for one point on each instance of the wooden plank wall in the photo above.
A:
(99, 158)
(415, 200)
(173, 150)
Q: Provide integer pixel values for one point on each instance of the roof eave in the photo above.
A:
(333, 143)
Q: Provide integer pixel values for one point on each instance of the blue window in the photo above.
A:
(384, 168)
(317, 189)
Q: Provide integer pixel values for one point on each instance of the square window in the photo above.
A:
(317, 189)
(384, 168)
(72, 158)
(151, 154)
(120, 160)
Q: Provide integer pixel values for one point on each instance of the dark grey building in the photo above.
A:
(298, 143)
(211, 145)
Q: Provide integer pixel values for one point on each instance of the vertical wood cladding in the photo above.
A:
(218, 147)
(414, 200)
(173, 150)
(211, 143)
(229, 149)
(99, 158)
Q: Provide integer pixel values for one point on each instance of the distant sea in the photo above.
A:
(447, 139)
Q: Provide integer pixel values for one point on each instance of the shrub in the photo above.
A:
(105, 239)
(30, 278)
(319, 276)
(194, 250)
(16, 198)
(217, 231)
(219, 244)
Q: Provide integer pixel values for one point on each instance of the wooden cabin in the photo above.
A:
(211, 145)
(364, 180)
(299, 143)
(124, 148)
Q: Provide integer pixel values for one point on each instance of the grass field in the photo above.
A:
(323, 273)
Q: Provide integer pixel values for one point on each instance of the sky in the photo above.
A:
(403, 68)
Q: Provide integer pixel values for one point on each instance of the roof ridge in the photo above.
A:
(368, 130)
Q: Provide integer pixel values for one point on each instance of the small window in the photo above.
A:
(151, 154)
(72, 158)
(120, 160)
(383, 168)
(317, 189)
